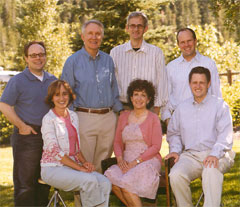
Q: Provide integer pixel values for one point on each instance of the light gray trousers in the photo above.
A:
(189, 167)
(94, 187)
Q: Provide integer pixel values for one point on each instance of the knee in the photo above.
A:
(106, 185)
(176, 176)
(211, 173)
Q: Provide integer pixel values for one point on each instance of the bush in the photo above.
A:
(232, 96)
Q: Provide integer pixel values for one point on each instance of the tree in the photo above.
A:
(231, 10)
(39, 20)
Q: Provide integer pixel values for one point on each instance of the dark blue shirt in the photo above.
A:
(92, 80)
(26, 93)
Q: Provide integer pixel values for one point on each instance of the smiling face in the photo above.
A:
(136, 28)
(199, 86)
(187, 44)
(61, 98)
(139, 100)
(92, 37)
(37, 63)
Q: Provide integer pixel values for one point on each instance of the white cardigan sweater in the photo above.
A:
(55, 138)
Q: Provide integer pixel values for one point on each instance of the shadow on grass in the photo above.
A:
(6, 196)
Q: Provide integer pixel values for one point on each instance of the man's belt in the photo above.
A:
(95, 111)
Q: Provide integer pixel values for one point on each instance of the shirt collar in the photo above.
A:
(30, 76)
(203, 101)
(195, 58)
(143, 47)
(84, 51)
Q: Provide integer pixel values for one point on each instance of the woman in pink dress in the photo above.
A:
(136, 146)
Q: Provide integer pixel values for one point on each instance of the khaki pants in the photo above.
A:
(96, 136)
(189, 167)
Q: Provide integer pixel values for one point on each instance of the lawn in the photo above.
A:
(230, 195)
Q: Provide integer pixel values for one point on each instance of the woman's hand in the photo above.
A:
(122, 164)
(89, 166)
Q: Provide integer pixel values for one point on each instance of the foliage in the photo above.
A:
(113, 15)
(38, 20)
(231, 94)
(231, 10)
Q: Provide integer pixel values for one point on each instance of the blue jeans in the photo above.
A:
(27, 153)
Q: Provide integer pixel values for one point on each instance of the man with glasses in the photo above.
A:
(138, 59)
(90, 73)
(22, 102)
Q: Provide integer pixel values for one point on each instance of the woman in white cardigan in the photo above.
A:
(63, 164)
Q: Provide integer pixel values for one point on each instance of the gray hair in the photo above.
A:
(93, 21)
(138, 14)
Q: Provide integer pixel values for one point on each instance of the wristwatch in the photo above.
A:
(138, 161)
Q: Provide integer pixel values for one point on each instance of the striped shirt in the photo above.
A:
(178, 84)
(146, 63)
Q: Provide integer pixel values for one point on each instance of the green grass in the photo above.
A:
(230, 195)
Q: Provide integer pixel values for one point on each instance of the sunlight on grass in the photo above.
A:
(230, 195)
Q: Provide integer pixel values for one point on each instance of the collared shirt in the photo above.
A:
(178, 84)
(146, 63)
(26, 93)
(201, 126)
(92, 80)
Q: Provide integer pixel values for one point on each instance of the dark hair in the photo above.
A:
(54, 87)
(200, 70)
(138, 14)
(26, 47)
(141, 85)
(186, 29)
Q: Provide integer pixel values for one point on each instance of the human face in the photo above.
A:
(187, 44)
(36, 64)
(139, 100)
(136, 28)
(92, 37)
(199, 86)
(61, 98)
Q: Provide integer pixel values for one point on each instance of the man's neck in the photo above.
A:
(190, 57)
(92, 53)
(36, 72)
(136, 43)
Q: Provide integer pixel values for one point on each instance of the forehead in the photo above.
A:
(199, 77)
(92, 27)
(184, 35)
(36, 48)
(136, 20)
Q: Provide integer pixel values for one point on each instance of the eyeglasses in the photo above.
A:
(34, 55)
(134, 26)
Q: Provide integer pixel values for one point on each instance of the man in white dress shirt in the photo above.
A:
(200, 140)
(138, 59)
(179, 69)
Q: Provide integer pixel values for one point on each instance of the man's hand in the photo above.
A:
(174, 155)
(89, 166)
(26, 129)
(210, 161)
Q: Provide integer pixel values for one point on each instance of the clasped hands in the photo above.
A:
(209, 161)
(88, 167)
(124, 165)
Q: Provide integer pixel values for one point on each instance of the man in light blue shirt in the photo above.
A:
(90, 73)
(200, 139)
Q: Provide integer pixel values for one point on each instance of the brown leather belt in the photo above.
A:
(95, 111)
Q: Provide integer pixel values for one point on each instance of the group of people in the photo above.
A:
(65, 128)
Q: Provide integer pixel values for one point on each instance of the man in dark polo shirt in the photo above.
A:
(22, 102)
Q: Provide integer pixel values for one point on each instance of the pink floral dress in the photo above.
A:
(143, 179)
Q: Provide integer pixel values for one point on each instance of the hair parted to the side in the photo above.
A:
(138, 14)
(141, 85)
(54, 88)
(92, 21)
(200, 70)
(186, 29)
(26, 46)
